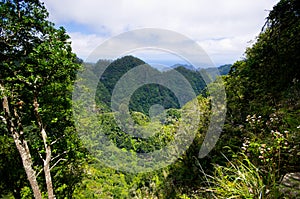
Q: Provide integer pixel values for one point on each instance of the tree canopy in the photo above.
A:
(38, 69)
(41, 154)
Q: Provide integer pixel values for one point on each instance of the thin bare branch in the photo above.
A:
(40, 171)
(41, 157)
(57, 140)
(61, 159)
(3, 119)
(59, 155)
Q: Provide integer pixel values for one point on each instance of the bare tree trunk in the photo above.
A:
(21, 144)
(27, 163)
(47, 150)
(47, 166)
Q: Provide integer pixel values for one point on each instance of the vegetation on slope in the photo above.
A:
(259, 144)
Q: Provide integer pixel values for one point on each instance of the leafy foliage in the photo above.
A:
(261, 129)
(38, 69)
(263, 99)
(145, 96)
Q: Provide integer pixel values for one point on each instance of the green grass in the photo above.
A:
(239, 179)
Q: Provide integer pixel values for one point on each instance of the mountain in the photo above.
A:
(221, 70)
(224, 69)
(146, 95)
(142, 98)
(190, 67)
(194, 78)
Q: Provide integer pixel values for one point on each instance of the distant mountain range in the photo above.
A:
(190, 67)
(150, 94)
(223, 69)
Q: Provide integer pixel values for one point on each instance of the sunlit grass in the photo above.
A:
(238, 179)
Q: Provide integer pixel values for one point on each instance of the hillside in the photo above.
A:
(147, 95)
(141, 99)
(55, 142)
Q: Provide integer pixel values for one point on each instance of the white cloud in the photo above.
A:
(226, 50)
(159, 42)
(222, 27)
(83, 44)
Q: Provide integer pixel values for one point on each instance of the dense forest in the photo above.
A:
(148, 94)
(43, 153)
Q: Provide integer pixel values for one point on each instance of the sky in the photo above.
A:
(222, 28)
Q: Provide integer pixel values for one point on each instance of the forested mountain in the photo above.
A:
(42, 155)
(187, 66)
(146, 95)
(141, 99)
(222, 70)
(149, 94)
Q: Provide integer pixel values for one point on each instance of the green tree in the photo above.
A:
(272, 62)
(37, 72)
(271, 67)
(263, 89)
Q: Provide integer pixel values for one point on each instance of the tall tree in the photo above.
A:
(274, 58)
(37, 72)
(271, 66)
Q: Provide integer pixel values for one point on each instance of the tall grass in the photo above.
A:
(239, 179)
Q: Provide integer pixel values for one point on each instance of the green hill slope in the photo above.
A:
(146, 95)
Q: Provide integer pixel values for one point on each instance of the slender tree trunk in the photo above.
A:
(47, 166)
(27, 163)
(47, 150)
(17, 131)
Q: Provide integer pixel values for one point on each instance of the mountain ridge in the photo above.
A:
(147, 95)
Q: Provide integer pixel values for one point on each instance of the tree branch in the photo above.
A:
(3, 119)
(40, 171)
(46, 146)
(57, 140)
(61, 159)
(59, 155)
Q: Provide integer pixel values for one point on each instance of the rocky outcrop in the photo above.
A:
(290, 185)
